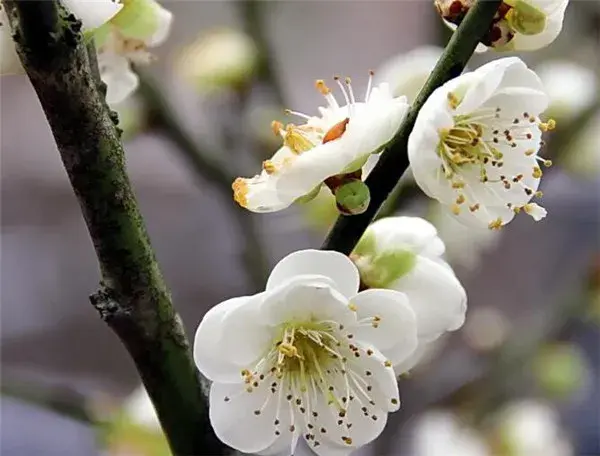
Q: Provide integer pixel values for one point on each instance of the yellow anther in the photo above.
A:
(276, 126)
(295, 140)
(322, 87)
(458, 185)
(474, 207)
(455, 208)
(269, 166)
(461, 199)
(288, 350)
(547, 163)
(548, 126)
(495, 224)
(537, 172)
(240, 191)
(387, 363)
(352, 307)
(539, 194)
(347, 440)
(348, 80)
(517, 209)
(529, 152)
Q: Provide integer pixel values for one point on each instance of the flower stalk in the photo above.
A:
(394, 160)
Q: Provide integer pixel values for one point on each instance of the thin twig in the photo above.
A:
(252, 13)
(207, 166)
(133, 300)
(394, 160)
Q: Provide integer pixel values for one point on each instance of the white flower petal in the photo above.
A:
(233, 417)
(116, 73)
(306, 298)
(333, 265)
(413, 359)
(207, 343)
(164, 21)
(244, 333)
(93, 13)
(411, 233)
(554, 23)
(395, 333)
(436, 297)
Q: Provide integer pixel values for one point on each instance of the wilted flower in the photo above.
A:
(571, 87)
(519, 25)
(92, 15)
(222, 59)
(405, 254)
(328, 149)
(475, 142)
(309, 357)
(406, 73)
(126, 38)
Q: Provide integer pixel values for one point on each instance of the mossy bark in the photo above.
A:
(133, 299)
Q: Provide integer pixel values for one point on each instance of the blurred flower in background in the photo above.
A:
(464, 245)
(570, 86)
(531, 428)
(92, 15)
(441, 433)
(125, 39)
(561, 369)
(134, 429)
(583, 154)
(223, 59)
(132, 116)
(406, 73)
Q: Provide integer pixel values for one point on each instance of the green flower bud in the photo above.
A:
(138, 19)
(352, 197)
(383, 270)
(526, 18)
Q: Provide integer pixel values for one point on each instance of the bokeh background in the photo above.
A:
(532, 325)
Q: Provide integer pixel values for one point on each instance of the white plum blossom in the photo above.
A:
(530, 427)
(338, 141)
(92, 13)
(406, 73)
(475, 144)
(519, 25)
(309, 357)
(405, 254)
(126, 38)
(440, 433)
(570, 86)
(221, 59)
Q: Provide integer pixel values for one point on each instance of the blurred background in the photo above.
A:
(525, 365)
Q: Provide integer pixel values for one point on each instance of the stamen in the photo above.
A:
(369, 86)
(350, 91)
(289, 112)
(342, 88)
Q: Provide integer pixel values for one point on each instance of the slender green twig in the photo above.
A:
(394, 160)
(252, 15)
(133, 300)
(209, 167)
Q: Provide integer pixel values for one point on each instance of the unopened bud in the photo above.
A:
(352, 197)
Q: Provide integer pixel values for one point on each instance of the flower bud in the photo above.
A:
(352, 197)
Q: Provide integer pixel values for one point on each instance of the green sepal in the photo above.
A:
(386, 268)
(526, 19)
(137, 19)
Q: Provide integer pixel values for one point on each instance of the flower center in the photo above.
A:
(313, 372)
(475, 141)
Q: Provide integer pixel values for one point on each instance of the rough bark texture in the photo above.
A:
(133, 299)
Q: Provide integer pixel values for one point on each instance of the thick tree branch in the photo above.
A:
(394, 160)
(134, 300)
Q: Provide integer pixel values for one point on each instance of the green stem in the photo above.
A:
(394, 160)
(133, 299)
